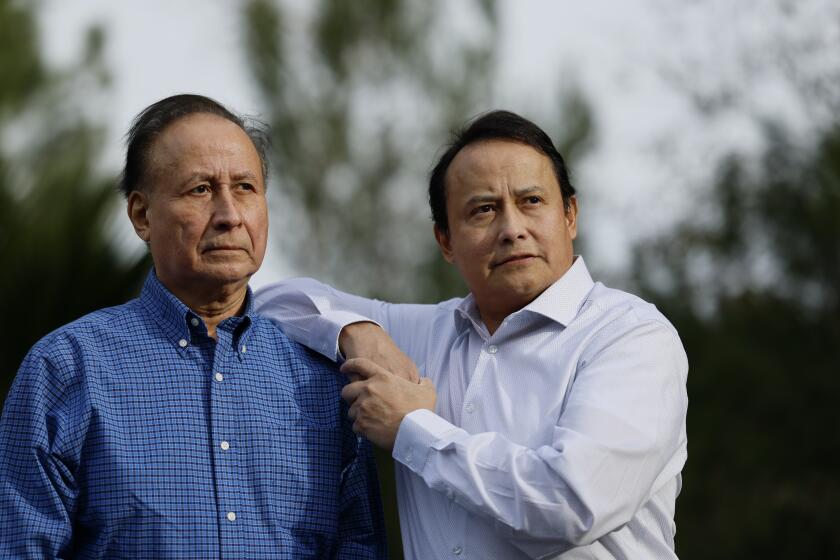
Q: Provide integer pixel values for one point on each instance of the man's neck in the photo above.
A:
(214, 304)
(493, 320)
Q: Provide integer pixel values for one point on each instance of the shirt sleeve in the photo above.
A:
(37, 474)
(361, 528)
(620, 438)
(313, 314)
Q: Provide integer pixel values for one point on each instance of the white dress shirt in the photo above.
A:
(561, 435)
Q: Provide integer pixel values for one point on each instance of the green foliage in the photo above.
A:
(755, 295)
(54, 205)
(23, 72)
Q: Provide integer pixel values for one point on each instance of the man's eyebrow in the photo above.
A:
(525, 191)
(490, 197)
(205, 176)
(481, 198)
(244, 175)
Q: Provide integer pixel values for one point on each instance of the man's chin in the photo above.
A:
(227, 273)
(520, 290)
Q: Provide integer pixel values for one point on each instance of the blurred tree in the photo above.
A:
(358, 96)
(54, 205)
(754, 289)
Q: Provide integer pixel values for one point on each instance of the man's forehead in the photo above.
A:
(197, 138)
(479, 164)
(203, 132)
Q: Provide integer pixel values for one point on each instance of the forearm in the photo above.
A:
(314, 315)
(545, 500)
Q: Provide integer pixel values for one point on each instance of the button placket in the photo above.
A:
(225, 432)
(484, 365)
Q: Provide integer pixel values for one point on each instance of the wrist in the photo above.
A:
(351, 336)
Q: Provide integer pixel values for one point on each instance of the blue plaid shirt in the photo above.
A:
(132, 434)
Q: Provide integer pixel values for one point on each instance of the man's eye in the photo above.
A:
(484, 209)
(247, 187)
(533, 200)
(200, 189)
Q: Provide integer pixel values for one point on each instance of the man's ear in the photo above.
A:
(444, 244)
(571, 217)
(138, 213)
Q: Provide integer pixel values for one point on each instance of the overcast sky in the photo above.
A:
(629, 58)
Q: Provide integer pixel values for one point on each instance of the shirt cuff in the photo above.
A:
(334, 321)
(419, 433)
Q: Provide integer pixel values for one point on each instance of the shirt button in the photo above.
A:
(492, 349)
(225, 445)
(469, 408)
(408, 457)
(244, 349)
(182, 343)
(194, 322)
(456, 550)
(219, 376)
(231, 516)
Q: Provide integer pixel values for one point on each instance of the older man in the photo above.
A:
(181, 424)
(558, 428)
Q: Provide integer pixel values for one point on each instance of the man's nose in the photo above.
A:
(226, 211)
(512, 225)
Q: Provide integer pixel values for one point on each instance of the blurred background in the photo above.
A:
(703, 137)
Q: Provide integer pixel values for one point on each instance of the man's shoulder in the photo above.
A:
(288, 352)
(87, 329)
(623, 310)
(62, 354)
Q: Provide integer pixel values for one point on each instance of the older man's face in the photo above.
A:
(206, 218)
(509, 233)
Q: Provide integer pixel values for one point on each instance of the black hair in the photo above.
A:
(495, 125)
(154, 119)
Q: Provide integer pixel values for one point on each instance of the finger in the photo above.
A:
(351, 391)
(353, 411)
(363, 367)
(426, 382)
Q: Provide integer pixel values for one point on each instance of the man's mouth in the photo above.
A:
(223, 248)
(515, 259)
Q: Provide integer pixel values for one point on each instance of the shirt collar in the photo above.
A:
(560, 302)
(176, 319)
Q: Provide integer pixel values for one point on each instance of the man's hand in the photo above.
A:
(380, 401)
(370, 341)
